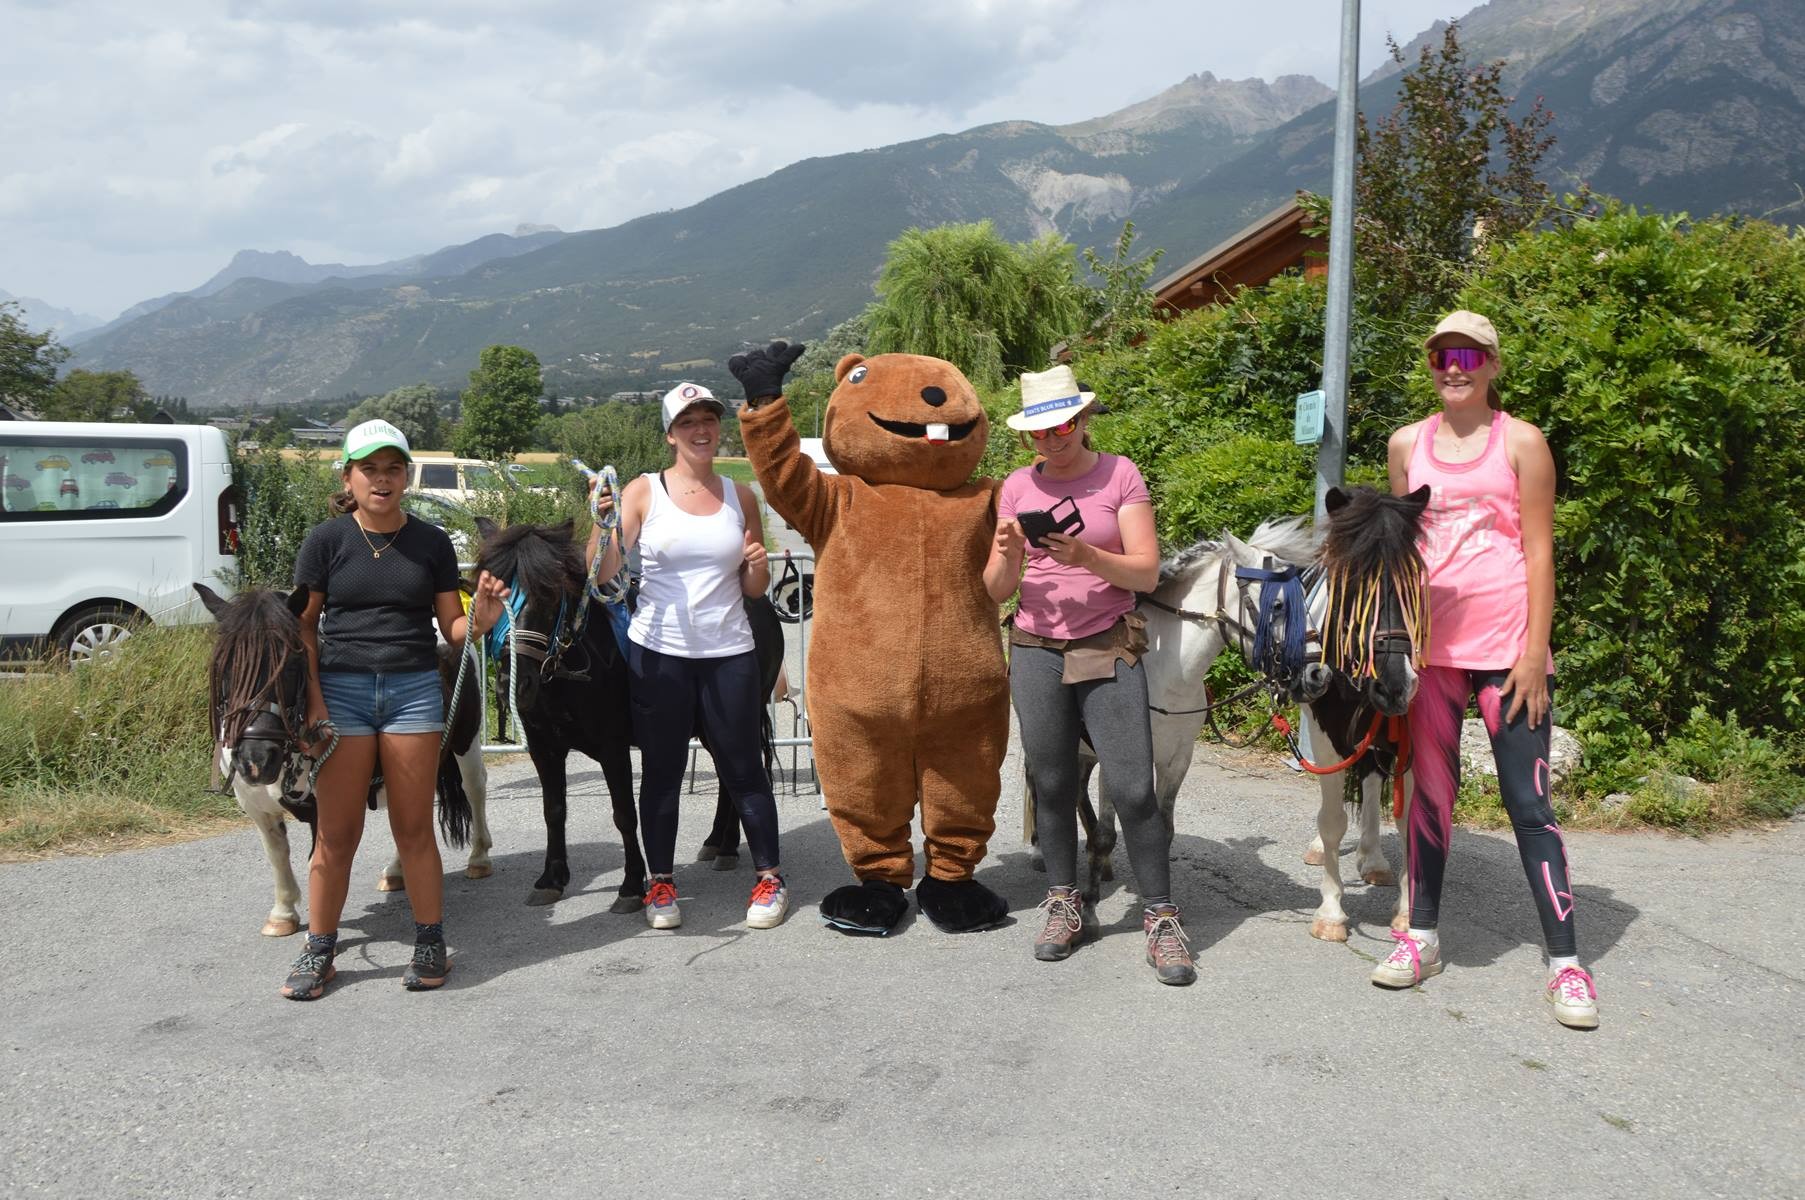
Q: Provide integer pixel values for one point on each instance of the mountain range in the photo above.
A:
(1692, 105)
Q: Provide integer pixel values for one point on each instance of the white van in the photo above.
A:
(105, 526)
(454, 479)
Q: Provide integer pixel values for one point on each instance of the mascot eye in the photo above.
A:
(857, 374)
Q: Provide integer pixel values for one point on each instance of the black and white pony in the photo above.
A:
(1212, 595)
(257, 703)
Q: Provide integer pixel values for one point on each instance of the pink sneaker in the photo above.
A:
(1410, 963)
(1575, 998)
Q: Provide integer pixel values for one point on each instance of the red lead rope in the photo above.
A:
(1400, 735)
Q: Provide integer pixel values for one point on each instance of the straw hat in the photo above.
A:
(1051, 397)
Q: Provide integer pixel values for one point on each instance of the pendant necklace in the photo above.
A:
(375, 550)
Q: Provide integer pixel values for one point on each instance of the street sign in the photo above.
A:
(1308, 428)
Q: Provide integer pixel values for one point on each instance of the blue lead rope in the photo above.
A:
(1281, 592)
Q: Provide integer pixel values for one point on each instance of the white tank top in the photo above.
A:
(690, 602)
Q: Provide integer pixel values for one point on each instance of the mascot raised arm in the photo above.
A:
(907, 692)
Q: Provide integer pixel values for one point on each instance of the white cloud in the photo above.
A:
(147, 143)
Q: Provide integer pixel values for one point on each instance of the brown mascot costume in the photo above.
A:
(908, 696)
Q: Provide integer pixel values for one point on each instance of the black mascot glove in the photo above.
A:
(761, 372)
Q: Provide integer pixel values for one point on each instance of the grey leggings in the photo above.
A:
(1113, 713)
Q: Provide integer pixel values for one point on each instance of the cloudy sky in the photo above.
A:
(147, 142)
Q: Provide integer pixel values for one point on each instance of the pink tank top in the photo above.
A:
(1472, 544)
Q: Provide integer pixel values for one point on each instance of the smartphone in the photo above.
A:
(1063, 517)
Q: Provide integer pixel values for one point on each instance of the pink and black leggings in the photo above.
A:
(1522, 757)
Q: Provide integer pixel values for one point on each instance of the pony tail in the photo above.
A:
(343, 502)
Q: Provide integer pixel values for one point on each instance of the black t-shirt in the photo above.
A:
(379, 611)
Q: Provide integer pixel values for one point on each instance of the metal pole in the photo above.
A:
(1331, 455)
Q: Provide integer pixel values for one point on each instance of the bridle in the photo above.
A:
(270, 715)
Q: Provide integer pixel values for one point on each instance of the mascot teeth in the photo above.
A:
(939, 435)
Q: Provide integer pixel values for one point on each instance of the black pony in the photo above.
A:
(572, 694)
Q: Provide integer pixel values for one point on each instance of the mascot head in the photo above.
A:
(904, 418)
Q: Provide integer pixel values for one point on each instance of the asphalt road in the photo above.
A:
(575, 1052)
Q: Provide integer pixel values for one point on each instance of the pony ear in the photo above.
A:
(1335, 500)
(1418, 500)
(486, 529)
(567, 527)
(213, 600)
(297, 600)
(1243, 553)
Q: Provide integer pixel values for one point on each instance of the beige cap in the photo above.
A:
(1467, 324)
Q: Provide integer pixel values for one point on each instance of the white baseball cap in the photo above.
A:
(688, 395)
(363, 440)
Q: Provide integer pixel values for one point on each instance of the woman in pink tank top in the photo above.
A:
(1488, 544)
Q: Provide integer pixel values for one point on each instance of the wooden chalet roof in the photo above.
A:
(1270, 246)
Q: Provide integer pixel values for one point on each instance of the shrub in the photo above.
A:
(283, 499)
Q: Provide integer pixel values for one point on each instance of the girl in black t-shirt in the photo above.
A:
(375, 582)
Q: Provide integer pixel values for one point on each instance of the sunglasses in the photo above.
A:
(1063, 429)
(1467, 358)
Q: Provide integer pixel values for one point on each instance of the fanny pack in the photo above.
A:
(1093, 657)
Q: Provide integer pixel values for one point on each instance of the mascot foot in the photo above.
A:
(962, 907)
(869, 909)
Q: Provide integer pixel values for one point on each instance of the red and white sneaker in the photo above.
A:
(1575, 998)
(661, 905)
(770, 901)
(1410, 962)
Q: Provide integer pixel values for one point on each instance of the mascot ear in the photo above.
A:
(846, 364)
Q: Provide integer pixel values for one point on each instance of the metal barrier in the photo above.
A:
(801, 738)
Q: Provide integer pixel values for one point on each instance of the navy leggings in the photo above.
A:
(668, 693)
(1522, 757)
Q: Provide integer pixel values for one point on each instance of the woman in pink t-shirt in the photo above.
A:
(1074, 666)
(1488, 544)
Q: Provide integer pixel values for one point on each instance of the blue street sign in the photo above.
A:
(1308, 429)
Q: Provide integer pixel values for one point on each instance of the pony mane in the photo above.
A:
(1186, 561)
(544, 558)
(1371, 545)
(1287, 539)
(257, 636)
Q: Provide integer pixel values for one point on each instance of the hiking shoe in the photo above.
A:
(1410, 962)
(308, 977)
(428, 970)
(770, 901)
(1168, 947)
(1067, 922)
(661, 905)
(1574, 997)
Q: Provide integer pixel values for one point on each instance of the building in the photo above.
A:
(1269, 247)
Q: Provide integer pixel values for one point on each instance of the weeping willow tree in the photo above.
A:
(964, 293)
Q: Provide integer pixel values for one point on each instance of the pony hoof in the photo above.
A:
(1400, 922)
(283, 928)
(540, 897)
(391, 883)
(707, 853)
(1328, 931)
(1380, 877)
(726, 862)
(1312, 857)
(478, 871)
(1037, 863)
(627, 904)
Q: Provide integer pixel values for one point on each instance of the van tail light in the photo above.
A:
(231, 515)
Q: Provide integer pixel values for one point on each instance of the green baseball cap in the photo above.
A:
(363, 440)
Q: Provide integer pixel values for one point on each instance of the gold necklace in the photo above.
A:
(375, 550)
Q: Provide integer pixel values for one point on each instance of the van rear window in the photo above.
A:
(97, 478)
(438, 475)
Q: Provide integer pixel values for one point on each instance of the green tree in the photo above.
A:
(965, 294)
(501, 405)
(28, 360)
(413, 409)
(97, 396)
(1447, 159)
(627, 435)
(1121, 311)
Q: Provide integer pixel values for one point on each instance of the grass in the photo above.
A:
(109, 754)
(736, 469)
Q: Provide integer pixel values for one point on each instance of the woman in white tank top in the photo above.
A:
(689, 647)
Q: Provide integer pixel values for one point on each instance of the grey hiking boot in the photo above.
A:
(1168, 949)
(1067, 923)
(428, 970)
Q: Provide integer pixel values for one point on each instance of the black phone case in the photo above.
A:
(1037, 523)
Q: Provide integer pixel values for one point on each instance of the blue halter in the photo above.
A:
(498, 633)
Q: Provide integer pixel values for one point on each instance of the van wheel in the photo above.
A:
(94, 633)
